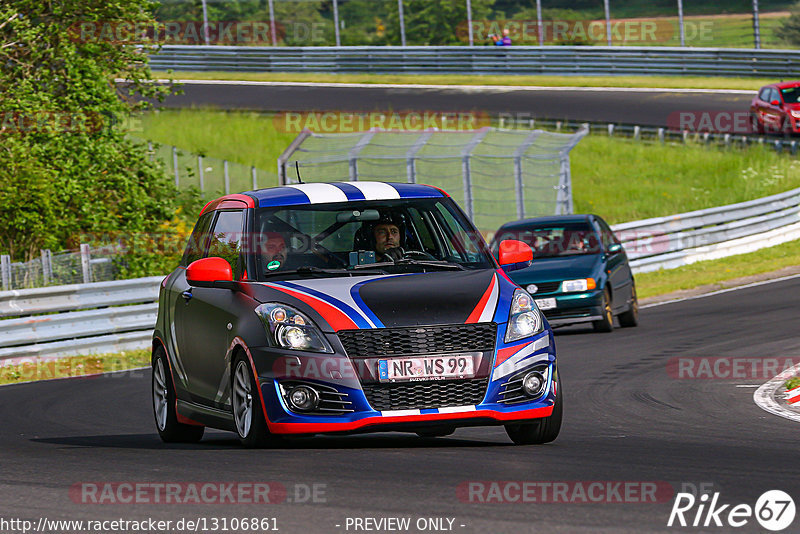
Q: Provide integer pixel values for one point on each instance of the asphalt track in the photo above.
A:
(643, 107)
(627, 419)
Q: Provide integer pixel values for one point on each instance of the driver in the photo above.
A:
(385, 236)
(274, 251)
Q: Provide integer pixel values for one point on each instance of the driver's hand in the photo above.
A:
(394, 253)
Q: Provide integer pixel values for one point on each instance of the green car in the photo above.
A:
(580, 272)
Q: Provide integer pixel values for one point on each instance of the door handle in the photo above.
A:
(187, 295)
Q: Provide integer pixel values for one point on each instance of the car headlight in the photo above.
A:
(524, 319)
(290, 329)
(582, 284)
(796, 113)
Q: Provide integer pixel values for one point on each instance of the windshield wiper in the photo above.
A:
(312, 270)
(442, 264)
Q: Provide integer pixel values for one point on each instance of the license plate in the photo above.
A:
(546, 304)
(426, 368)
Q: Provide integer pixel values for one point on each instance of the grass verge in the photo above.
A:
(666, 82)
(717, 271)
(73, 366)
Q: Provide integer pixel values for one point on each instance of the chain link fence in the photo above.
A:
(70, 267)
(698, 23)
(493, 173)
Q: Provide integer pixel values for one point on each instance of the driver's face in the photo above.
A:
(386, 236)
(275, 249)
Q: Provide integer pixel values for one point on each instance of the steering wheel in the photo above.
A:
(326, 255)
(418, 255)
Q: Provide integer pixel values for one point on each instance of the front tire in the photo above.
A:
(251, 425)
(169, 429)
(606, 324)
(544, 430)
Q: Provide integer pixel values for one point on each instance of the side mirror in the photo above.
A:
(614, 248)
(776, 102)
(513, 255)
(210, 272)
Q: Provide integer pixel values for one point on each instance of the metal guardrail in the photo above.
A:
(97, 321)
(669, 242)
(562, 60)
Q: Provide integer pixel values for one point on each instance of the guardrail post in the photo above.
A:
(47, 266)
(610, 130)
(227, 178)
(253, 175)
(558, 126)
(778, 146)
(661, 134)
(727, 139)
(5, 267)
(175, 167)
(793, 148)
(200, 171)
(637, 132)
(706, 137)
(685, 136)
(86, 266)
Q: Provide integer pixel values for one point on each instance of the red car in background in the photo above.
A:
(776, 108)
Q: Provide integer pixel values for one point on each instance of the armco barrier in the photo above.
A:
(561, 60)
(96, 320)
(669, 242)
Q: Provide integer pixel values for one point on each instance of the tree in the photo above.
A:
(68, 170)
(435, 22)
(789, 30)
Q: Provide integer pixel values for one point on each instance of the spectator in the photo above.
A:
(505, 40)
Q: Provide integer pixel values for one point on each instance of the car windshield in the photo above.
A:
(791, 94)
(555, 240)
(393, 236)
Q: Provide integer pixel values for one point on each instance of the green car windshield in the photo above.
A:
(432, 234)
(557, 240)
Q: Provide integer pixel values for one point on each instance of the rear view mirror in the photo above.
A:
(513, 255)
(776, 103)
(357, 216)
(614, 248)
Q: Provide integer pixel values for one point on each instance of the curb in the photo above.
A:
(772, 396)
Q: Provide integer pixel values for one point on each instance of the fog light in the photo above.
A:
(533, 384)
(303, 398)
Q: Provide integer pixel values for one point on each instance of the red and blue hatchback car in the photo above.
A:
(346, 308)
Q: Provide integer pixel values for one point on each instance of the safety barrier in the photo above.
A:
(560, 60)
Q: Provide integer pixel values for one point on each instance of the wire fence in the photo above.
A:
(69, 267)
(490, 172)
(212, 177)
(701, 23)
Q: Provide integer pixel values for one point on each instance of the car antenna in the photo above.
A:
(297, 168)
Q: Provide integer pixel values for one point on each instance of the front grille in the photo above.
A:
(477, 337)
(545, 287)
(422, 395)
(331, 400)
(567, 313)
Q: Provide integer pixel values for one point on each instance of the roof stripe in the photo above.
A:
(321, 193)
(352, 192)
(377, 190)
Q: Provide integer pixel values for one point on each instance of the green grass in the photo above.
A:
(74, 366)
(716, 271)
(621, 179)
(793, 383)
(668, 82)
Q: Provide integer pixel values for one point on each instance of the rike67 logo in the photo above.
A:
(774, 510)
